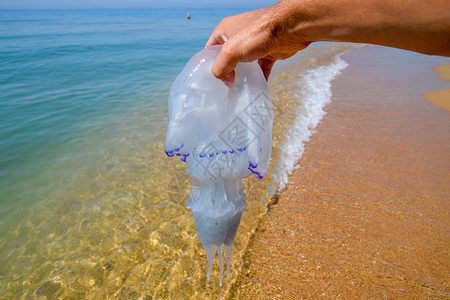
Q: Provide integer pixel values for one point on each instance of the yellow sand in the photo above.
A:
(443, 71)
(367, 213)
(440, 98)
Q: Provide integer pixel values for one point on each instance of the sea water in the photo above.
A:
(90, 206)
(69, 80)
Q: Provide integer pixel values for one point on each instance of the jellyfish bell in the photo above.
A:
(223, 135)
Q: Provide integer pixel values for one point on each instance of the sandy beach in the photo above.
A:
(440, 98)
(367, 213)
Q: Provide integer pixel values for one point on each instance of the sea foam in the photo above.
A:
(315, 92)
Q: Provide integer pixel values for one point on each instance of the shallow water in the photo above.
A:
(73, 83)
(90, 205)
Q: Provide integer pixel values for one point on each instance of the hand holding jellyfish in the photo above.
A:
(223, 135)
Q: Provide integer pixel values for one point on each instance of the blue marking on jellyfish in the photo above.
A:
(253, 166)
(255, 172)
(178, 149)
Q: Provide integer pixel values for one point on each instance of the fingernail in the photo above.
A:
(228, 80)
(227, 83)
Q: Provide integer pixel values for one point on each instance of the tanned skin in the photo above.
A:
(281, 30)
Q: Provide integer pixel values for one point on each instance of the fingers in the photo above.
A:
(217, 69)
(211, 42)
(244, 38)
(223, 67)
(229, 79)
(266, 66)
(215, 39)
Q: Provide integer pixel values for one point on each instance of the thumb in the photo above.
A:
(223, 67)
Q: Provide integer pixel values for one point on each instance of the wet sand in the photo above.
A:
(367, 213)
(440, 98)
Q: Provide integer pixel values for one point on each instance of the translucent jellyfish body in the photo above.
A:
(223, 135)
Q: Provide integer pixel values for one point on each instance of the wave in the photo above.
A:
(314, 92)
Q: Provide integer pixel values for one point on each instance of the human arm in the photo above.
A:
(281, 30)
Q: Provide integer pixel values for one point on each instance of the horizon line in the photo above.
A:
(130, 8)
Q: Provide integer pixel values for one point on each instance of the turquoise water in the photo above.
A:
(72, 81)
(83, 116)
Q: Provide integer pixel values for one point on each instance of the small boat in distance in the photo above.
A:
(188, 16)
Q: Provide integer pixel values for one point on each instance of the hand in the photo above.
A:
(281, 30)
(260, 35)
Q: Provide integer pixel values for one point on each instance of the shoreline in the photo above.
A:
(440, 98)
(369, 215)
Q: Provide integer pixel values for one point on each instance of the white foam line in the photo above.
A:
(315, 93)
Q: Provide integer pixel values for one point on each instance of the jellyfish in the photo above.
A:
(223, 135)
